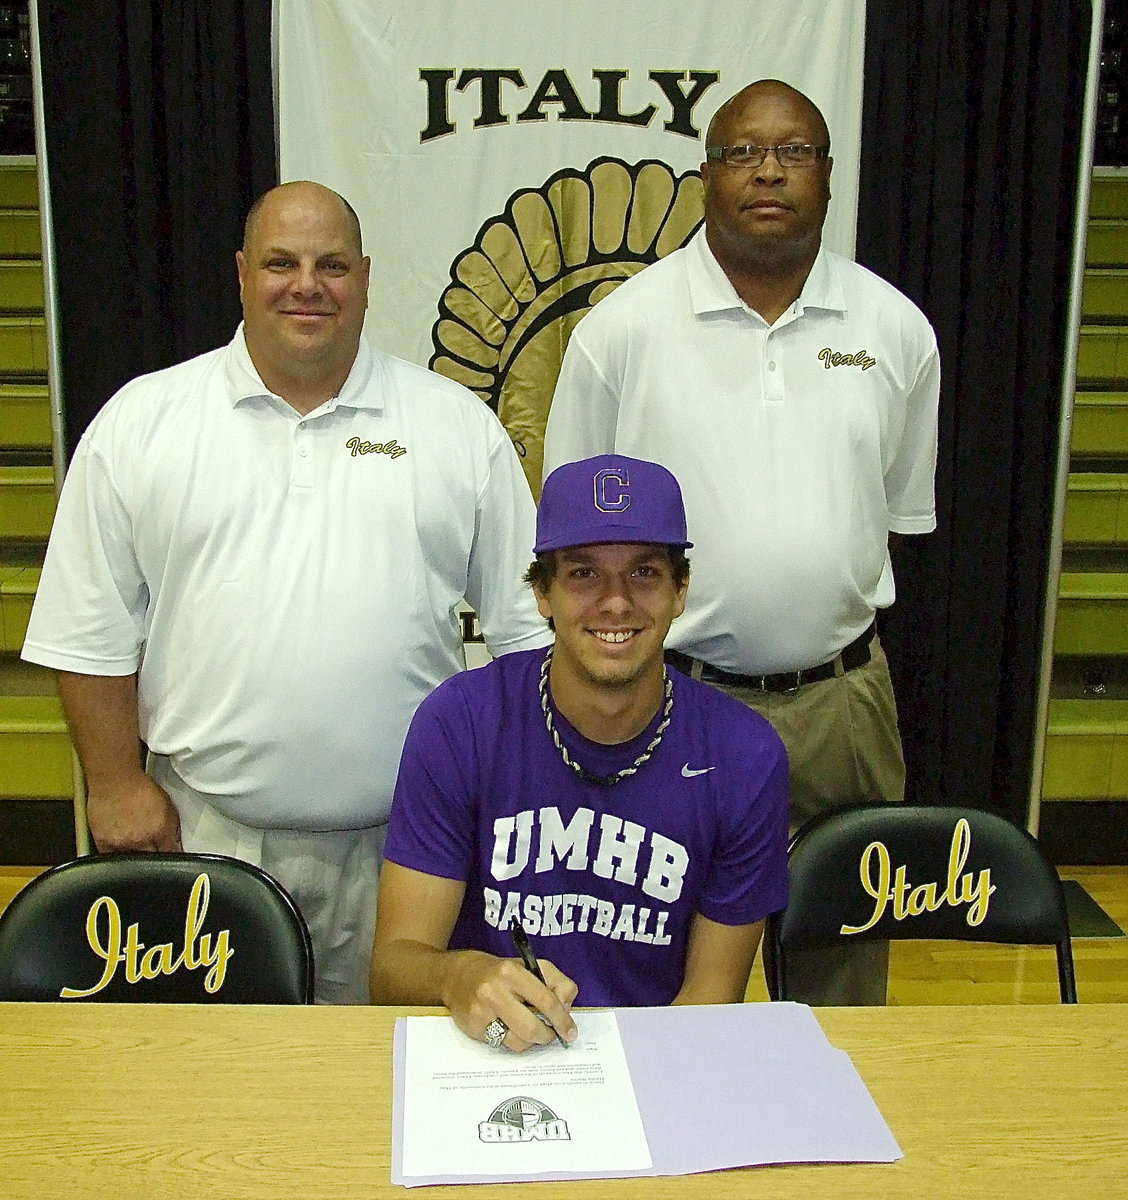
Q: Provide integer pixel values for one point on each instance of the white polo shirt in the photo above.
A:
(287, 585)
(799, 446)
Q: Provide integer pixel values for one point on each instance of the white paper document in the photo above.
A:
(646, 1091)
(471, 1111)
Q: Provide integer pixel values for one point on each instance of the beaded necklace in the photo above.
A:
(603, 780)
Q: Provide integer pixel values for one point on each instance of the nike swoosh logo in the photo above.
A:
(688, 772)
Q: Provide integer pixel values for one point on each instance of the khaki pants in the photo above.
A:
(331, 876)
(843, 746)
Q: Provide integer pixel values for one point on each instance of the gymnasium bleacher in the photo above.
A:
(36, 781)
(1087, 733)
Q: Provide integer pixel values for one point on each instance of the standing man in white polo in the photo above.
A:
(794, 394)
(255, 569)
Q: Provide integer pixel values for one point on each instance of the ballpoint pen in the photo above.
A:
(521, 945)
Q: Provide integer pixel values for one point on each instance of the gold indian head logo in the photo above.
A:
(392, 449)
(104, 934)
(887, 886)
(517, 293)
(833, 358)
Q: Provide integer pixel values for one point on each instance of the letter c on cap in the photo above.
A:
(611, 485)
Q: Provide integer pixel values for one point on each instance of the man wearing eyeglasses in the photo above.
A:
(795, 395)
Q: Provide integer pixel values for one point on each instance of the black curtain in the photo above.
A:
(160, 131)
(970, 133)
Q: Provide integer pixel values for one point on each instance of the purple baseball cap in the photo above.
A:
(610, 498)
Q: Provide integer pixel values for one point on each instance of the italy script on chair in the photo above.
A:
(910, 900)
(198, 950)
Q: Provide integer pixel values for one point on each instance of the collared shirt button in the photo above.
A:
(771, 365)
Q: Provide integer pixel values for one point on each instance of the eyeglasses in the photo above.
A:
(793, 155)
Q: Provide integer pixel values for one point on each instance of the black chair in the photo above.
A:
(882, 872)
(156, 928)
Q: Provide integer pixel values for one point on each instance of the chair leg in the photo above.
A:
(1067, 979)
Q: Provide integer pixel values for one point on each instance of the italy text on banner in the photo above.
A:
(512, 163)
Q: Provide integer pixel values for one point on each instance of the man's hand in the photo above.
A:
(481, 988)
(136, 816)
(411, 964)
(125, 809)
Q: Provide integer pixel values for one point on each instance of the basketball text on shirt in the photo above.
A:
(618, 845)
(611, 850)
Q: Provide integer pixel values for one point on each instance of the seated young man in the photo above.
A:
(633, 820)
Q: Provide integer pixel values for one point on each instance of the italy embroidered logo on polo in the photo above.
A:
(392, 449)
(835, 358)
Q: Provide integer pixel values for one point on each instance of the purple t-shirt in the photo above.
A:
(606, 880)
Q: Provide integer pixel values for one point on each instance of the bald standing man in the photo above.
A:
(794, 394)
(254, 572)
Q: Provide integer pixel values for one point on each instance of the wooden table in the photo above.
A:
(112, 1101)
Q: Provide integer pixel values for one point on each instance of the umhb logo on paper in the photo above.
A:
(523, 1119)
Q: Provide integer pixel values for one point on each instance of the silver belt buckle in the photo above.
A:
(762, 683)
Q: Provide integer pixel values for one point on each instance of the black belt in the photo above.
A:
(856, 654)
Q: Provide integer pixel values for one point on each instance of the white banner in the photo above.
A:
(513, 162)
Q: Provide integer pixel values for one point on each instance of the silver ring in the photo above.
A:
(495, 1033)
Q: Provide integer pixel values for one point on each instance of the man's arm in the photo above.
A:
(90, 609)
(125, 809)
(910, 479)
(505, 529)
(584, 412)
(415, 914)
(718, 961)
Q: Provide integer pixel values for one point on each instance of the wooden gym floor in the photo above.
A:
(958, 972)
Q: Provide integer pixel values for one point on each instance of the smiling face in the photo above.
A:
(611, 607)
(767, 215)
(303, 282)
